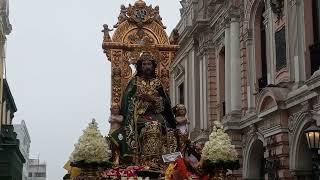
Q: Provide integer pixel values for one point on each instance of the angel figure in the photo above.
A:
(106, 31)
(122, 16)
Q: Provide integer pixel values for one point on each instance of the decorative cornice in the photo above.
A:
(234, 13)
(6, 27)
(248, 36)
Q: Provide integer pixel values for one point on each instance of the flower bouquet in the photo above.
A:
(218, 154)
(91, 153)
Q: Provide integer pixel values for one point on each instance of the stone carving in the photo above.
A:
(277, 7)
(250, 133)
(184, 5)
(295, 119)
(174, 37)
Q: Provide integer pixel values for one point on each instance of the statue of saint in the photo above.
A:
(144, 104)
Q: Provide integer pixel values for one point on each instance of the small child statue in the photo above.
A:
(182, 125)
(180, 113)
(115, 119)
(106, 35)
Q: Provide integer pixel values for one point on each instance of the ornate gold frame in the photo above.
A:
(139, 29)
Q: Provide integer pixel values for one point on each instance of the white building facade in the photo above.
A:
(37, 170)
(25, 140)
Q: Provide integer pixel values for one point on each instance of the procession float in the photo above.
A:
(148, 137)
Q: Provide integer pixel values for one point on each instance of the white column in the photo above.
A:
(301, 40)
(296, 43)
(186, 89)
(8, 117)
(267, 23)
(251, 71)
(192, 89)
(4, 110)
(201, 94)
(270, 43)
(205, 98)
(227, 68)
(235, 65)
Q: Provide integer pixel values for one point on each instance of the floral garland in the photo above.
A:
(218, 152)
(91, 149)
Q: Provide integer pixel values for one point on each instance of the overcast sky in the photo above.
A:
(57, 72)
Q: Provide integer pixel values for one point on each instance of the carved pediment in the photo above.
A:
(139, 14)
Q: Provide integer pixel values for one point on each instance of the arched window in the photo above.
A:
(181, 93)
(315, 48)
(221, 82)
(260, 48)
(316, 20)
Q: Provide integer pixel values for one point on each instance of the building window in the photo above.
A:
(221, 83)
(223, 108)
(181, 93)
(30, 174)
(261, 51)
(316, 19)
(315, 48)
(39, 174)
(280, 38)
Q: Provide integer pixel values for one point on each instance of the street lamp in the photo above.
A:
(313, 137)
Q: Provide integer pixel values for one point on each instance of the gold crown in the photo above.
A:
(146, 56)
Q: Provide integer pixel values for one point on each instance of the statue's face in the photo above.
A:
(147, 68)
(182, 111)
(115, 110)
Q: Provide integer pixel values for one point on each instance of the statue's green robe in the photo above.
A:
(124, 136)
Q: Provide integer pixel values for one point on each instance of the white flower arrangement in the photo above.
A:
(91, 147)
(219, 147)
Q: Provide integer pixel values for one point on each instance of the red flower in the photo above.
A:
(181, 168)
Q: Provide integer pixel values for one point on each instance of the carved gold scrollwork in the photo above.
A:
(139, 29)
(116, 76)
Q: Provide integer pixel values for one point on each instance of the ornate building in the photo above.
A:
(11, 159)
(253, 65)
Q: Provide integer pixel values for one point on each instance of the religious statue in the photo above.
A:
(115, 121)
(174, 38)
(147, 113)
(122, 16)
(182, 125)
(106, 35)
(180, 112)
